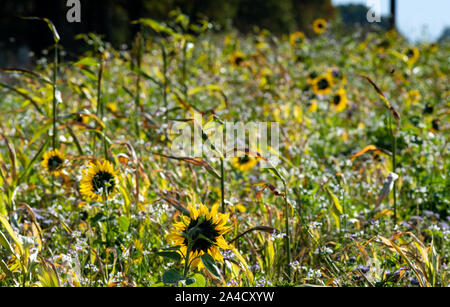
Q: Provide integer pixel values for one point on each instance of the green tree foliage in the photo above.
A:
(113, 18)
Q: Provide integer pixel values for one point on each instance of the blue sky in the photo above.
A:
(419, 20)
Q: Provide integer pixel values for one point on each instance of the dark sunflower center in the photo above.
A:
(238, 60)
(103, 181)
(436, 124)
(244, 160)
(323, 84)
(428, 109)
(336, 99)
(200, 229)
(410, 53)
(313, 75)
(321, 25)
(54, 163)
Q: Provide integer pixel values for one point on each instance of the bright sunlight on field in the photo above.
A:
(356, 194)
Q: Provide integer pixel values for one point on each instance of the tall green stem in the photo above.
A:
(288, 234)
(394, 165)
(222, 184)
(54, 106)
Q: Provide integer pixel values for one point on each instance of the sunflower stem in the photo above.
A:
(222, 185)
(54, 110)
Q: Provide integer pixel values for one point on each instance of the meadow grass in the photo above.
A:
(353, 109)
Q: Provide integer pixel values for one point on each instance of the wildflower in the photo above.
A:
(339, 100)
(98, 180)
(53, 162)
(319, 26)
(200, 233)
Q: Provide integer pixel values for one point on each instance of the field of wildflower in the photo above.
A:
(91, 194)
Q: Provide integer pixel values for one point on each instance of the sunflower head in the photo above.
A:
(237, 58)
(312, 77)
(53, 162)
(339, 100)
(99, 181)
(296, 39)
(244, 163)
(383, 45)
(412, 55)
(200, 233)
(429, 109)
(319, 26)
(322, 85)
(436, 125)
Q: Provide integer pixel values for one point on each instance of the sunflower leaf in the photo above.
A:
(210, 264)
(170, 255)
(172, 277)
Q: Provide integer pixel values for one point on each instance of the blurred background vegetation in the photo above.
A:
(112, 18)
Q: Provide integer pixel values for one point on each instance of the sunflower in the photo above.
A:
(237, 58)
(412, 55)
(311, 77)
(339, 100)
(203, 232)
(322, 85)
(99, 180)
(319, 26)
(383, 45)
(244, 163)
(435, 125)
(296, 39)
(53, 162)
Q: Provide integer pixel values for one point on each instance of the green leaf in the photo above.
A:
(11, 232)
(156, 26)
(336, 203)
(5, 269)
(198, 280)
(4, 242)
(172, 277)
(170, 255)
(336, 208)
(210, 265)
(50, 25)
(124, 223)
(87, 61)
